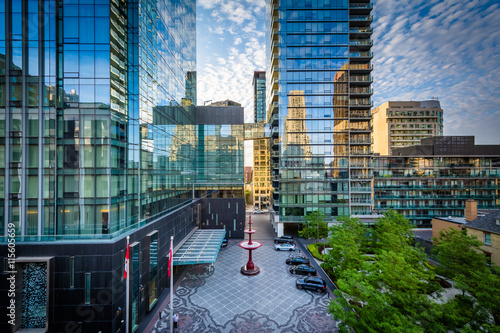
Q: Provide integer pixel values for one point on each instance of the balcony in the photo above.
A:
(361, 43)
(360, 6)
(361, 55)
(361, 202)
(360, 142)
(360, 102)
(361, 18)
(361, 79)
(275, 119)
(360, 67)
(360, 115)
(360, 30)
(356, 189)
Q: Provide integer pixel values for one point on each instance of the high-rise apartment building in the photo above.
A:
(261, 153)
(437, 177)
(318, 103)
(398, 124)
(259, 96)
(99, 140)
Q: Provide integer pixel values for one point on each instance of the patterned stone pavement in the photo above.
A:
(219, 298)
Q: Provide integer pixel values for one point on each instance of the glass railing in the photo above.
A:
(361, 189)
(360, 66)
(361, 18)
(360, 115)
(360, 30)
(361, 78)
(360, 42)
(360, 6)
(360, 102)
(361, 54)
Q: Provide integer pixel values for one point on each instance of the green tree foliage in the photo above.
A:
(393, 232)
(247, 197)
(459, 254)
(314, 226)
(386, 292)
(346, 241)
(462, 260)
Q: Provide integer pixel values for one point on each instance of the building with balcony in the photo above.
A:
(398, 124)
(436, 178)
(318, 104)
(100, 139)
(261, 152)
(259, 96)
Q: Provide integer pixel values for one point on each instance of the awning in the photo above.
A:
(201, 248)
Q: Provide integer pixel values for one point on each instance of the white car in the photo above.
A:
(284, 247)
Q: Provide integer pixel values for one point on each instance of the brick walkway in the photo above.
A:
(221, 299)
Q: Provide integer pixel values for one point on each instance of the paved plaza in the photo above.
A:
(219, 298)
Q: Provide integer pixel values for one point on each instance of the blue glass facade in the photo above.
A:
(318, 97)
(97, 115)
(259, 95)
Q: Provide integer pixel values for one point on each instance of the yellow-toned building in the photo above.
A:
(398, 124)
(487, 229)
(261, 173)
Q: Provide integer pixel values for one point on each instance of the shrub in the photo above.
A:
(313, 249)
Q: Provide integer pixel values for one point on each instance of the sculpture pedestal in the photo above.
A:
(246, 271)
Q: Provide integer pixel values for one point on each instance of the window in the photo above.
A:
(487, 239)
(72, 272)
(87, 287)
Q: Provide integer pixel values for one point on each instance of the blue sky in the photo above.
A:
(448, 49)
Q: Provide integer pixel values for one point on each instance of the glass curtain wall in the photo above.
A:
(220, 161)
(310, 61)
(96, 112)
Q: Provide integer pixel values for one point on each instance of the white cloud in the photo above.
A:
(237, 41)
(446, 49)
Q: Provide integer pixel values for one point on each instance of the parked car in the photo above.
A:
(284, 239)
(303, 270)
(312, 283)
(297, 261)
(258, 211)
(284, 247)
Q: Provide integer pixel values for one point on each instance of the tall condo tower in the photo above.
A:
(318, 103)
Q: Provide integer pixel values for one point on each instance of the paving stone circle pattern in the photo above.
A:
(219, 298)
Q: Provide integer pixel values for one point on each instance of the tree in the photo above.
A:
(461, 259)
(386, 292)
(346, 243)
(314, 226)
(392, 232)
(459, 253)
(247, 197)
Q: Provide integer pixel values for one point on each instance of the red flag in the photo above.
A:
(169, 259)
(126, 264)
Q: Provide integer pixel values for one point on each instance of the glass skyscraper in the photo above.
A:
(98, 141)
(318, 102)
(97, 112)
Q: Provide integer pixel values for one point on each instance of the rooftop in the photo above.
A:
(489, 222)
(458, 220)
(448, 145)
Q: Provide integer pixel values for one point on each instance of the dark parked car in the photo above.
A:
(284, 239)
(297, 261)
(312, 283)
(303, 270)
